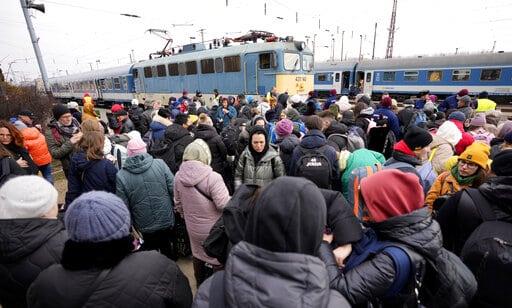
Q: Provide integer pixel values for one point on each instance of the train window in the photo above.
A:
(307, 62)
(191, 67)
(160, 71)
(219, 65)
(411, 76)
(490, 74)
(173, 69)
(125, 82)
(135, 73)
(182, 69)
(207, 66)
(102, 84)
(148, 73)
(265, 60)
(232, 64)
(434, 76)
(321, 77)
(389, 76)
(346, 80)
(337, 77)
(460, 75)
(368, 77)
(117, 84)
(108, 83)
(291, 61)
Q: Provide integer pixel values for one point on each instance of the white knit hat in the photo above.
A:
(27, 196)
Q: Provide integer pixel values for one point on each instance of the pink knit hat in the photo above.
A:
(136, 146)
(284, 128)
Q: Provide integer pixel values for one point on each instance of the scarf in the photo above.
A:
(464, 181)
(401, 146)
(70, 130)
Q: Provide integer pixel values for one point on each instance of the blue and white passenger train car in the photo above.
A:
(442, 75)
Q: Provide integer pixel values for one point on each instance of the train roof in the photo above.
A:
(334, 65)
(470, 60)
(96, 74)
(221, 52)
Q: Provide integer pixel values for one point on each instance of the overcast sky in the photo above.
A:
(74, 33)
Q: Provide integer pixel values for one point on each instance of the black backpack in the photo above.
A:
(488, 253)
(314, 166)
(229, 135)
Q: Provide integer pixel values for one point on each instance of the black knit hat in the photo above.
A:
(181, 119)
(417, 138)
(502, 163)
(59, 110)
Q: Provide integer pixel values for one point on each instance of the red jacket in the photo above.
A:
(466, 140)
(36, 145)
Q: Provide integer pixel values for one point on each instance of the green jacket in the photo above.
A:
(269, 167)
(359, 158)
(146, 186)
(60, 146)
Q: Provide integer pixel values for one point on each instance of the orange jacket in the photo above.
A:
(36, 145)
(88, 112)
(445, 184)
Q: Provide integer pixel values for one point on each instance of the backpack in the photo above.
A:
(229, 136)
(353, 194)
(352, 140)
(419, 118)
(488, 252)
(381, 139)
(314, 166)
(371, 124)
(6, 174)
(120, 153)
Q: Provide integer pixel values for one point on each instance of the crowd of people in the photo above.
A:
(281, 201)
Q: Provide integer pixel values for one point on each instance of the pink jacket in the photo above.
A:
(200, 214)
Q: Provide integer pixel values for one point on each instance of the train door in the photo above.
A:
(368, 83)
(138, 82)
(250, 67)
(336, 82)
(359, 82)
(345, 83)
(99, 86)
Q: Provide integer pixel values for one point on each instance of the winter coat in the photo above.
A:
(269, 167)
(467, 138)
(286, 147)
(14, 168)
(485, 104)
(445, 184)
(146, 187)
(459, 219)
(141, 279)
(35, 143)
(76, 114)
(315, 139)
(482, 135)
(416, 232)
(442, 150)
(393, 122)
(88, 112)
(146, 119)
(359, 158)
(200, 213)
(126, 126)
(19, 152)
(217, 147)
(59, 145)
(255, 277)
(27, 247)
(225, 118)
(176, 140)
(158, 127)
(87, 175)
(450, 102)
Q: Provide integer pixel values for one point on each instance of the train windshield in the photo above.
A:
(307, 62)
(291, 61)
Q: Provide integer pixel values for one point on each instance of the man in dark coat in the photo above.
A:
(209, 134)
(281, 241)
(99, 267)
(31, 236)
(451, 101)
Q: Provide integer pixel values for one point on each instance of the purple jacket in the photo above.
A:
(199, 212)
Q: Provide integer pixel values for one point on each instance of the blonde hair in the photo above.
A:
(205, 119)
(92, 140)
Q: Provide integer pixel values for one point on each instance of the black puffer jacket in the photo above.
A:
(19, 152)
(286, 147)
(370, 280)
(27, 247)
(141, 279)
(217, 148)
(173, 146)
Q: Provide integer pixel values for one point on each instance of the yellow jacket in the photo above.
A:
(485, 104)
(445, 184)
(88, 112)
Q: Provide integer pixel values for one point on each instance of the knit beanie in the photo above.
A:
(293, 115)
(502, 163)
(504, 129)
(59, 110)
(116, 108)
(401, 195)
(348, 115)
(457, 115)
(97, 216)
(417, 138)
(386, 102)
(198, 150)
(27, 196)
(72, 105)
(136, 146)
(181, 119)
(478, 121)
(508, 138)
(477, 153)
(344, 104)
(449, 132)
(284, 128)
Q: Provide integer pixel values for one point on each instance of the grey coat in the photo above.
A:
(269, 167)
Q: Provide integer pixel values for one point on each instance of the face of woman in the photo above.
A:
(258, 142)
(5, 136)
(467, 168)
(66, 119)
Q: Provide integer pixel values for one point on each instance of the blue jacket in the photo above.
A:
(450, 102)
(312, 140)
(393, 122)
(158, 130)
(419, 104)
(87, 175)
(330, 100)
(225, 118)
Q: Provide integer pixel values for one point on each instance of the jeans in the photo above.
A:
(46, 170)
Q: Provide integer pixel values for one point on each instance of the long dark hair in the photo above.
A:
(480, 179)
(4, 152)
(17, 137)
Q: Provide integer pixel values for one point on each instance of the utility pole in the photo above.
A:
(226, 3)
(90, 64)
(342, 42)
(391, 35)
(131, 59)
(314, 43)
(360, 47)
(133, 56)
(202, 35)
(318, 23)
(374, 39)
(493, 46)
(332, 56)
(25, 5)
(296, 17)
(265, 9)
(456, 50)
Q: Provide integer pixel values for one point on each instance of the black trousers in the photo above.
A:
(203, 270)
(161, 241)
